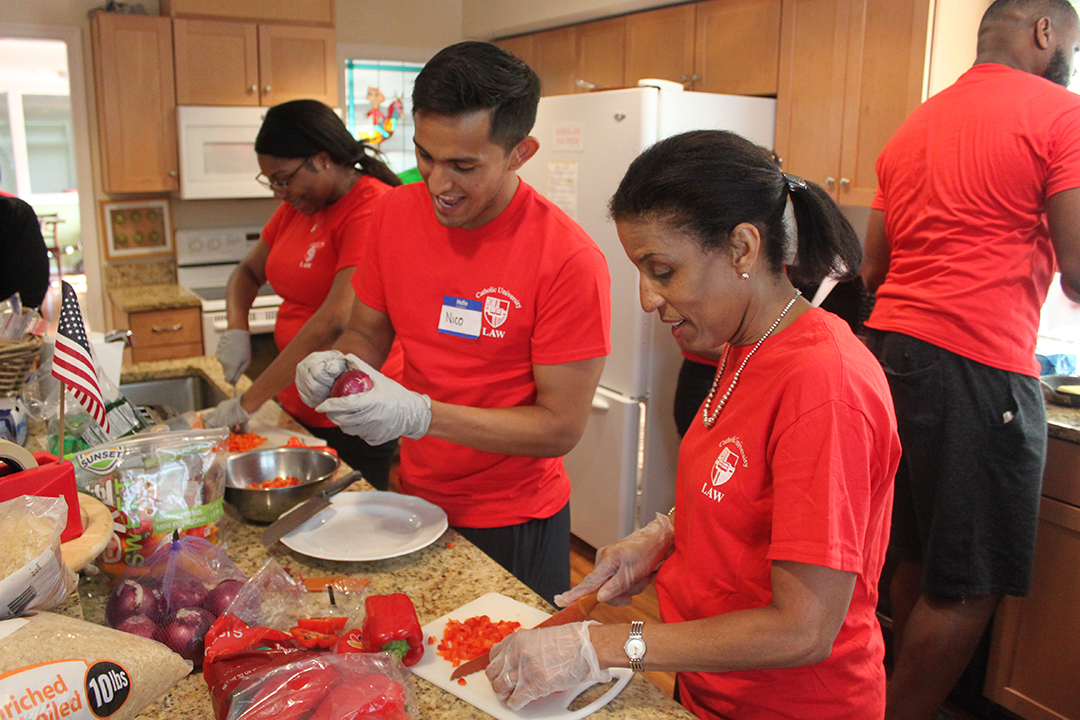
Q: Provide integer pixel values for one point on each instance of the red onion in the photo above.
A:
(351, 382)
(185, 633)
(186, 594)
(139, 625)
(218, 600)
(131, 598)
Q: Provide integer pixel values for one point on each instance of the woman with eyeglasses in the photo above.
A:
(329, 184)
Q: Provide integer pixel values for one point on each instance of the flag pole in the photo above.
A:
(60, 433)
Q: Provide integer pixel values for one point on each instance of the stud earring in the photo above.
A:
(745, 276)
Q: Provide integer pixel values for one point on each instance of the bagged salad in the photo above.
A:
(155, 485)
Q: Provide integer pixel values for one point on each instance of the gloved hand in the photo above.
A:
(623, 569)
(530, 664)
(385, 412)
(316, 373)
(234, 353)
(227, 414)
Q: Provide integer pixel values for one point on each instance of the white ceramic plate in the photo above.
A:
(372, 525)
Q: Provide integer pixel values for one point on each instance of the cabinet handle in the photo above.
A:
(175, 328)
(684, 78)
(253, 89)
(266, 90)
(844, 182)
(173, 173)
(585, 84)
(695, 77)
(830, 180)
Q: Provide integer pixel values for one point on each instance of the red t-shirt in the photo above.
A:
(799, 466)
(963, 184)
(306, 252)
(474, 310)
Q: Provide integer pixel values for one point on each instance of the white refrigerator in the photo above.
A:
(622, 472)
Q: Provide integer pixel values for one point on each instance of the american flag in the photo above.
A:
(73, 363)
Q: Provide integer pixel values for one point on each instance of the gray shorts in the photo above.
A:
(968, 485)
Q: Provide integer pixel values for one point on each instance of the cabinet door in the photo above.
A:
(600, 50)
(297, 62)
(136, 101)
(885, 70)
(521, 45)
(1034, 663)
(737, 47)
(810, 92)
(660, 44)
(555, 54)
(217, 62)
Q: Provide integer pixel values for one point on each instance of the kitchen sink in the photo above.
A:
(159, 400)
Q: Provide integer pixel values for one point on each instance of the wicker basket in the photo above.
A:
(17, 359)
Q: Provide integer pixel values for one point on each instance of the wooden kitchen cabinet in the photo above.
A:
(295, 11)
(851, 71)
(224, 62)
(576, 58)
(136, 102)
(1034, 663)
(737, 46)
(162, 334)
(660, 44)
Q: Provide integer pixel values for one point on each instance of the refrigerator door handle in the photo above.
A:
(599, 403)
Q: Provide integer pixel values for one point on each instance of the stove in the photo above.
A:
(204, 260)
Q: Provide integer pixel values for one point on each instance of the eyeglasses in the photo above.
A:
(283, 184)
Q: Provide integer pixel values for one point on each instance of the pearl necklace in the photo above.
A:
(710, 419)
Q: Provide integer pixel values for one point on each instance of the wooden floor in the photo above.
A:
(644, 606)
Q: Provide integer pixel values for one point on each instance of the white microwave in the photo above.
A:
(217, 152)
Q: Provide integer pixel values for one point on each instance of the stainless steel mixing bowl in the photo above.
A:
(314, 468)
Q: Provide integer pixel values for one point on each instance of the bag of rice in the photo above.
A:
(56, 666)
(33, 575)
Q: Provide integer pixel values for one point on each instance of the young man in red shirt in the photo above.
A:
(501, 304)
(978, 196)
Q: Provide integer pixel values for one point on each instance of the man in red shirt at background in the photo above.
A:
(502, 306)
(978, 194)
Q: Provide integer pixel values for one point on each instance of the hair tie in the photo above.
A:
(794, 182)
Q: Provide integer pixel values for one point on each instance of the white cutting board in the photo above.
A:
(277, 437)
(477, 690)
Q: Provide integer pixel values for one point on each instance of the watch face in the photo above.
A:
(635, 647)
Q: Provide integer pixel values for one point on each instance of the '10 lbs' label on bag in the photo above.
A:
(64, 689)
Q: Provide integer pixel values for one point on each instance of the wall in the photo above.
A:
(489, 19)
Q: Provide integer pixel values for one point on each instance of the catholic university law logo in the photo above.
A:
(497, 302)
(310, 254)
(496, 310)
(729, 459)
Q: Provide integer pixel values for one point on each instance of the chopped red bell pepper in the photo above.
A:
(313, 639)
(328, 625)
(391, 625)
(371, 696)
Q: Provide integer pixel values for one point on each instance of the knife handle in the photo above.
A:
(340, 484)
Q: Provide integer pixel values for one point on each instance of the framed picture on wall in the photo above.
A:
(137, 228)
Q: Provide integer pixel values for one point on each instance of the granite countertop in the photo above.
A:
(1063, 423)
(440, 578)
(143, 298)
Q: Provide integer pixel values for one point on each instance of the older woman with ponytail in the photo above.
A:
(767, 567)
(329, 184)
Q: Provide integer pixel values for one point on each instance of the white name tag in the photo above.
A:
(461, 317)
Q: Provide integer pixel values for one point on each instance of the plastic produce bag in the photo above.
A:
(33, 575)
(328, 687)
(71, 668)
(176, 596)
(156, 484)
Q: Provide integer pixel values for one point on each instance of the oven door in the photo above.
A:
(260, 320)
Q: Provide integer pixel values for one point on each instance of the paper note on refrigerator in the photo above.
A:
(562, 185)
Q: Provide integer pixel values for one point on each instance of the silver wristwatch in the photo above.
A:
(635, 646)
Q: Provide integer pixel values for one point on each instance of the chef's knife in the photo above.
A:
(318, 502)
(577, 612)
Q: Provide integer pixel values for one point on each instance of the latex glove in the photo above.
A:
(316, 373)
(234, 353)
(227, 414)
(623, 569)
(385, 412)
(530, 664)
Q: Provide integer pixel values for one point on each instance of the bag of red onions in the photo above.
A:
(176, 595)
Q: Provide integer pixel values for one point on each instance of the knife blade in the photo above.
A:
(302, 513)
(577, 612)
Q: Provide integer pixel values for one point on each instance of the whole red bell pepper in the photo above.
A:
(391, 625)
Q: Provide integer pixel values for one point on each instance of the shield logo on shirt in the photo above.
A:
(724, 467)
(496, 310)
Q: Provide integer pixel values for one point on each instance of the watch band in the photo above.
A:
(635, 646)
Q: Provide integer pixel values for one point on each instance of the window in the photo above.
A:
(378, 107)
